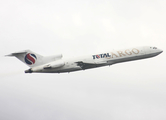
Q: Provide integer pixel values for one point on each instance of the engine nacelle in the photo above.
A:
(55, 64)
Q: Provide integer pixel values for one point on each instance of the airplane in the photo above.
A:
(55, 63)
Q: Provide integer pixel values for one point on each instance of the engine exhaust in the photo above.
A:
(28, 71)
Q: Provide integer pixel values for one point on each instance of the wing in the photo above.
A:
(86, 65)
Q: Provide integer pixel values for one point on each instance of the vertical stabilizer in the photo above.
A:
(28, 57)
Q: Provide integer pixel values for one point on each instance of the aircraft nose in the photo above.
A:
(160, 51)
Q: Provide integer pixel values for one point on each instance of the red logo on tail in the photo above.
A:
(30, 59)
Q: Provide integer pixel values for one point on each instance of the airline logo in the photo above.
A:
(117, 54)
(30, 59)
(105, 55)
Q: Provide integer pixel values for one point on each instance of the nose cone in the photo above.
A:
(160, 51)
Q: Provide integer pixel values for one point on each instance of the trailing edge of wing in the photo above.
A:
(85, 64)
(80, 62)
(93, 63)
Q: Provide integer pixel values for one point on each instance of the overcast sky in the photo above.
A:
(129, 91)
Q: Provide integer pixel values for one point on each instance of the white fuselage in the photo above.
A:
(102, 59)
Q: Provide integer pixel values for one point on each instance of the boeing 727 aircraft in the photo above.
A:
(55, 64)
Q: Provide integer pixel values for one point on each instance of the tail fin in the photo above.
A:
(33, 59)
(28, 57)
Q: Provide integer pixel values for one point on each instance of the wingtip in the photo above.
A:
(9, 55)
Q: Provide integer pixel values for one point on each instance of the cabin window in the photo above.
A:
(154, 48)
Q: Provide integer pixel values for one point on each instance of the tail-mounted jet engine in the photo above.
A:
(52, 65)
(55, 64)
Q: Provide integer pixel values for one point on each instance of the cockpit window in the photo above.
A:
(154, 48)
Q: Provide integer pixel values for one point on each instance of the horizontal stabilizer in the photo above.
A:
(16, 53)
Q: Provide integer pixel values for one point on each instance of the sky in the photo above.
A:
(132, 90)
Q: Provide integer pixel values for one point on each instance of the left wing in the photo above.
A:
(86, 65)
